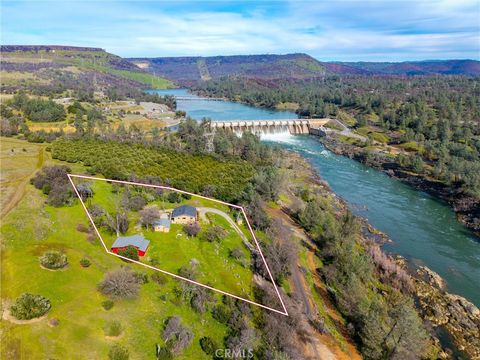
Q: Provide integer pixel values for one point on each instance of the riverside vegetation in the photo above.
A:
(425, 129)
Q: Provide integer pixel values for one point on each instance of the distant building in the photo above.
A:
(162, 225)
(137, 241)
(184, 214)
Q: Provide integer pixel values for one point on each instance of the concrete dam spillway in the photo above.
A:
(293, 126)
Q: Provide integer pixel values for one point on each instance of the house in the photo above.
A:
(137, 241)
(162, 225)
(184, 214)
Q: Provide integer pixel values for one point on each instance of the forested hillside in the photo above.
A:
(265, 67)
(432, 67)
(189, 70)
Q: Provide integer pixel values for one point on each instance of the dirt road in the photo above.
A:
(204, 210)
(21, 183)
(321, 341)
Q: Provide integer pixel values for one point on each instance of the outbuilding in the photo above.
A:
(162, 225)
(137, 241)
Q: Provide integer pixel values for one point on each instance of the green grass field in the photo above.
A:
(175, 249)
(32, 228)
(154, 81)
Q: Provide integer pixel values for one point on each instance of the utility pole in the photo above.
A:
(209, 134)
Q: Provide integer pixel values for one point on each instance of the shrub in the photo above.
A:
(160, 279)
(82, 228)
(221, 314)
(118, 352)
(163, 353)
(129, 252)
(141, 277)
(29, 306)
(192, 229)
(107, 304)
(91, 237)
(113, 328)
(208, 345)
(85, 263)
(120, 283)
(53, 181)
(215, 233)
(174, 197)
(154, 261)
(53, 260)
(237, 253)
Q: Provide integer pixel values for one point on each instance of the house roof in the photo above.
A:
(135, 240)
(162, 222)
(184, 210)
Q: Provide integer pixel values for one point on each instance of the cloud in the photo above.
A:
(345, 30)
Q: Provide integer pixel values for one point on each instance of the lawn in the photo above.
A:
(32, 228)
(175, 249)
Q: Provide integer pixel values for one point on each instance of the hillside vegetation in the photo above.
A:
(58, 68)
(265, 67)
(432, 67)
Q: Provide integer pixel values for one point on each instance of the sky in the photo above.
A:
(328, 30)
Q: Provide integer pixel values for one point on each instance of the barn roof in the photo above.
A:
(135, 240)
(184, 210)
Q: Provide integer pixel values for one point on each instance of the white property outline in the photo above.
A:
(70, 176)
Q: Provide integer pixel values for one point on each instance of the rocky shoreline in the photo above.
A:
(455, 314)
(467, 208)
(441, 311)
(446, 315)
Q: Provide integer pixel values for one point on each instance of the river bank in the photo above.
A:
(467, 208)
(452, 321)
(422, 229)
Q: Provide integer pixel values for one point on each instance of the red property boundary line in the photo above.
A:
(284, 312)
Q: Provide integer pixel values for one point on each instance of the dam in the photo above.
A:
(293, 126)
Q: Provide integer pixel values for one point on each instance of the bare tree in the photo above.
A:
(149, 215)
(120, 283)
(176, 335)
(200, 299)
(117, 223)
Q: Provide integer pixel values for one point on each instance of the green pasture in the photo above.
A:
(175, 249)
(31, 229)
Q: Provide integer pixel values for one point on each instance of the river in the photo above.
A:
(423, 229)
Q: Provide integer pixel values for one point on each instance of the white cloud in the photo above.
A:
(345, 30)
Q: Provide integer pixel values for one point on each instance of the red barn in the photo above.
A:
(137, 241)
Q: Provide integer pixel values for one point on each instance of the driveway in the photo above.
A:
(202, 211)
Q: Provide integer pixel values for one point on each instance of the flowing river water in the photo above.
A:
(423, 229)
